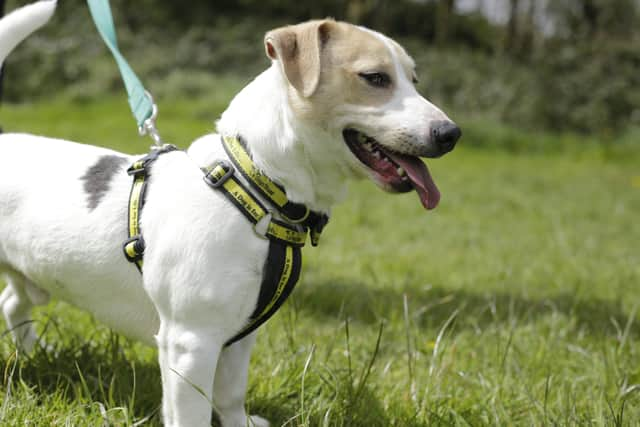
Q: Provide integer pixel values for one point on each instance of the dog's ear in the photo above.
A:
(299, 50)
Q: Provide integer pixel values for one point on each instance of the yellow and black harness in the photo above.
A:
(286, 236)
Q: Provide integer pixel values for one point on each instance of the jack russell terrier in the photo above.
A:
(338, 102)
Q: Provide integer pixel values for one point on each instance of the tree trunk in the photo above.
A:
(591, 14)
(444, 14)
(529, 31)
(511, 38)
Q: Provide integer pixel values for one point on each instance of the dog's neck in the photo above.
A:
(294, 154)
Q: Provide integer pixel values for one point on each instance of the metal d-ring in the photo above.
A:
(149, 125)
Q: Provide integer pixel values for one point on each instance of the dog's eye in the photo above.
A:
(376, 79)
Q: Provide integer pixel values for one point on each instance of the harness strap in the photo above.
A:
(296, 213)
(220, 176)
(281, 273)
(134, 246)
(282, 267)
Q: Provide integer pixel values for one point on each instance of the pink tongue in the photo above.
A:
(420, 178)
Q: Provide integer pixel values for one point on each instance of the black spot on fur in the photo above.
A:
(98, 176)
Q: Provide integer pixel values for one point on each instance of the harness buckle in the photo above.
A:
(133, 248)
(219, 182)
(137, 168)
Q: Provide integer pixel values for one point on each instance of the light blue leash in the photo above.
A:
(140, 100)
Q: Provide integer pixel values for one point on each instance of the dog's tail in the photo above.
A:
(17, 25)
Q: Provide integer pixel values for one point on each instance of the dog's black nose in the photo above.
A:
(445, 135)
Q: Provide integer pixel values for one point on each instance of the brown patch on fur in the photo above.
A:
(322, 61)
(352, 51)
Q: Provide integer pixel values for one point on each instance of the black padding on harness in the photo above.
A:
(280, 275)
(295, 213)
(286, 236)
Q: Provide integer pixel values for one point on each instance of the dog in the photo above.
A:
(338, 102)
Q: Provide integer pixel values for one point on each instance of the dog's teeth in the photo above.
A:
(376, 154)
(400, 171)
(368, 146)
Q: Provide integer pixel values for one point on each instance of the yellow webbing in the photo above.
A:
(241, 195)
(242, 158)
(134, 218)
(134, 246)
(287, 234)
(254, 210)
(134, 205)
(291, 212)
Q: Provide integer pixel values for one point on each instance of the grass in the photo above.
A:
(514, 303)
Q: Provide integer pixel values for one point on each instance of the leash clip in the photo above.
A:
(149, 125)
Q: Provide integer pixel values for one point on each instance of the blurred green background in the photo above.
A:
(538, 65)
(514, 303)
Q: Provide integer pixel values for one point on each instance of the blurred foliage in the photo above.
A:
(583, 76)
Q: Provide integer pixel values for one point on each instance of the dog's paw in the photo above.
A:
(257, 421)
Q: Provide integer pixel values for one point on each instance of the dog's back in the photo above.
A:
(64, 204)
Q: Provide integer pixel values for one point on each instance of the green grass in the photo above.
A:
(514, 303)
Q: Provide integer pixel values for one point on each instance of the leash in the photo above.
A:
(144, 110)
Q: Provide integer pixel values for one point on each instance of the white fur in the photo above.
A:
(261, 113)
(203, 263)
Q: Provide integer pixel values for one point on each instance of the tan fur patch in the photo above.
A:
(349, 52)
(345, 51)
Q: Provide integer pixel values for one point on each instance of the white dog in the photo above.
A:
(338, 102)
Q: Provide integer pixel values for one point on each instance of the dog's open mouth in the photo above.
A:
(393, 171)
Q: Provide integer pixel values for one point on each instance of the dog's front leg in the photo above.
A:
(188, 354)
(230, 385)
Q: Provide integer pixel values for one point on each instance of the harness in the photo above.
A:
(286, 234)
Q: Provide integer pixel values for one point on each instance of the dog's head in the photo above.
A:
(359, 86)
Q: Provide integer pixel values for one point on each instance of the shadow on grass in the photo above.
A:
(89, 371)
(82, 371)
(351, 406)
(434, 306)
